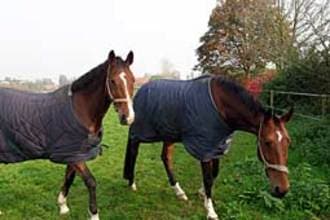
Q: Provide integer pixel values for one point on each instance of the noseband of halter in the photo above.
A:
(115, 100)
(267, 165)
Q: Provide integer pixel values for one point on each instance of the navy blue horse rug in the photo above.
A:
(180, 111)
(43, 126)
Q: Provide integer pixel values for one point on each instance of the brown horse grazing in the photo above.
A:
(65, 126)
(202, 114)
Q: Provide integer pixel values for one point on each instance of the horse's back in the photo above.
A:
(14, 103)
(180, 111)
(160, 108)
(167, 93)
(157, 107)
(22, 116)
(40, 126)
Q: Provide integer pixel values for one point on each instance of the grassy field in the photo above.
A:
(29, 190)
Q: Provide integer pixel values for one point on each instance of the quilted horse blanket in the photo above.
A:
(43, 126)
(180, 111)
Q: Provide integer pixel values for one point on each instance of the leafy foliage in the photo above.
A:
(312, 143)
(309, 193)
(310, 74)
(243, 36)
(309, 21)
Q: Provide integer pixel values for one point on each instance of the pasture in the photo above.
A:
(29, 190)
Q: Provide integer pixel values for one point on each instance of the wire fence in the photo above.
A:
(308, 105)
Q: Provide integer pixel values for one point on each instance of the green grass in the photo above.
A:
(29, 190)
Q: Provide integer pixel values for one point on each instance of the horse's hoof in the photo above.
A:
(211, 214)
(212, 217)
(64, 209)
(94, 216)
(182, 197)
(133, 187)
(61, 200)
(180, 194)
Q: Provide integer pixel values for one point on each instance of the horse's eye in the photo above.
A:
(268, 143)
(112, 81)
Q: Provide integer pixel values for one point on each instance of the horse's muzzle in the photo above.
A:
(278, 192)
(123, 120)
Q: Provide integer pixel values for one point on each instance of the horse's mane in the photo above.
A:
(94, 75)
(88, 77)
(240, 92)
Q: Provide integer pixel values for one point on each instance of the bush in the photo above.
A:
(310, 74)
(312, 141)
(309, 193)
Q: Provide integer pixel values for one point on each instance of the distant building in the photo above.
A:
(4, 82)
(44, 85)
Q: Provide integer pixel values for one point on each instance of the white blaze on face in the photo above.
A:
(279, 136)
(131, 114)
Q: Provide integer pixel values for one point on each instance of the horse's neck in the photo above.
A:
(92, 103)
(235, 113)
(247, 122)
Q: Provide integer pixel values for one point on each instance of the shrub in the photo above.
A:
(311, 140)
(309, 74)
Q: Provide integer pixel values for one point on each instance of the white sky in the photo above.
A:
(40, 38)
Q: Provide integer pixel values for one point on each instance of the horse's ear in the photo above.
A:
(287, 116)
(111, 56)
(268, 115)
(130, 58)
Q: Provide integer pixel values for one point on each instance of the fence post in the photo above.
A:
(271, 102)
(324, 99)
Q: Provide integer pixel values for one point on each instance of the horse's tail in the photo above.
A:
(130, 159)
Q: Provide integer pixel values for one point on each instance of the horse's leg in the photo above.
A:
(132, 151)
(68, 180)
(207, 172)
(90, 183)
(167, 154)
(215, 172)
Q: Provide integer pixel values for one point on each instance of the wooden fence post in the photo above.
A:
(324, 102)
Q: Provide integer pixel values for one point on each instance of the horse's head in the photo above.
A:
(273, 143)
(120, 86)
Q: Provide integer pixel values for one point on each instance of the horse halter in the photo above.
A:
(277, 167)
(115, 100)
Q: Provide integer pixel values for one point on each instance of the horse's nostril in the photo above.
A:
(277, 190)
(123, 119)
(278, 193)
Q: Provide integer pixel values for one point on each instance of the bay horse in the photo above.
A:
(65, 126)
(202, 114)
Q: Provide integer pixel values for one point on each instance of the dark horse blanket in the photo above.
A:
(180, 111)
(40, 126)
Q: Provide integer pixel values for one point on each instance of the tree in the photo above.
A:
(243, 36)
(63, 80)
(309, 20)
(310, 24)
(167, 71)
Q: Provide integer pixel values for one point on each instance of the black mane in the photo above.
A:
(94, 74)
(86, 79)
(239, 91)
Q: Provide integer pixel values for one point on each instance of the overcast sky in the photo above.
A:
(40, 38)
